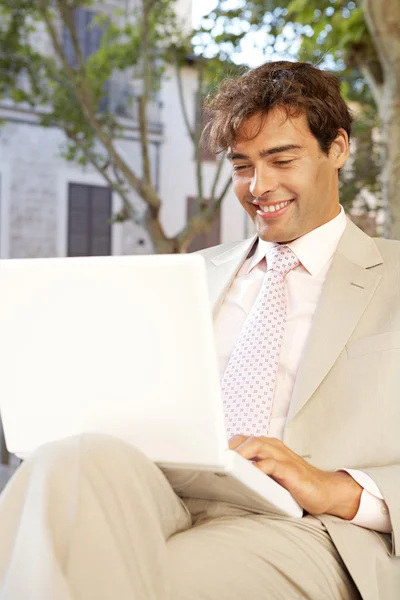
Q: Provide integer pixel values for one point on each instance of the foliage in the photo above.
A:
(364, 172)
(331, 33)
(333, 28)
(68, 90)
(45, 66)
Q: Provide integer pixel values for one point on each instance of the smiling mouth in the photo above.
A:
(270, 208)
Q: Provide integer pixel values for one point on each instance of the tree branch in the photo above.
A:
(373, 83)
(144, 139)
(202, 222)
(144, 98)
(182, 102)
(364, 57)
(383, 21)
(197, 135)
(67, 16)
(102, 169)
(80, 89)
(224, 191)
(217, 175)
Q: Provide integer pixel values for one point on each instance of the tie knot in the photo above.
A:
(281, 259)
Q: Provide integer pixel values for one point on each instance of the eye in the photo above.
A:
(240, 167)
(283, 162)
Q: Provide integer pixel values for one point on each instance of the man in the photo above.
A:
(308, 338)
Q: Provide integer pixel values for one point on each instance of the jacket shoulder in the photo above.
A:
(390, 249)
(393, 245)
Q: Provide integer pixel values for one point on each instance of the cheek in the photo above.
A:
(306, 190)
(240, 188)
(296, 181)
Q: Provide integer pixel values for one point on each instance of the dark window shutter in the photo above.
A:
(205, 240)
(89, 228)
(79, 220)
(100, 221)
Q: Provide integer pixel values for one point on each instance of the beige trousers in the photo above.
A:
(91, 518)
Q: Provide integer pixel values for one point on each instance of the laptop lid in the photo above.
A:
(119, 345)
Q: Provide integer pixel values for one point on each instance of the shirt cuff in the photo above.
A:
(373, 512)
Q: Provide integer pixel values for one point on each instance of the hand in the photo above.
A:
(318, 492)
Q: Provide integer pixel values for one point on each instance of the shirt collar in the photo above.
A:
(324, 239)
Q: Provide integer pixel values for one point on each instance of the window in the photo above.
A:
(89, 214)
(89, 37)
(205, 240)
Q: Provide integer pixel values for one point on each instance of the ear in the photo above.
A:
(340, 149)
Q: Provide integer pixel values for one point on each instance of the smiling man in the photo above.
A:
(280, 174)
(319, 358)
(307, 332)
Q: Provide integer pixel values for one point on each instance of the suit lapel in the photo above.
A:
(223, 272)
(348, 289)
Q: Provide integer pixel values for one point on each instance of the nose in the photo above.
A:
(263, 182)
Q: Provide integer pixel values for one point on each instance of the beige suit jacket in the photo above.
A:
(345, 409)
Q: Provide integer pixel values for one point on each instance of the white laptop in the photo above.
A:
(123, 346)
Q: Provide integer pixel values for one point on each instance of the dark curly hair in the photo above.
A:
(296, 87)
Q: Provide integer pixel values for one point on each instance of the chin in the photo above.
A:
(271, 234)
(279, 234)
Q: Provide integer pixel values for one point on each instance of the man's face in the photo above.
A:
(282, 178)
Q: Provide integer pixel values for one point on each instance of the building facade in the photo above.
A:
(52, 207)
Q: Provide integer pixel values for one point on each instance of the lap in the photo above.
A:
(99, 513)
(103, 503)
(257, 556)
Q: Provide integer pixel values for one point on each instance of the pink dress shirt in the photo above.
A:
(303, 287)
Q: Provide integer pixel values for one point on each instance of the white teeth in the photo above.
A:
(273, 208)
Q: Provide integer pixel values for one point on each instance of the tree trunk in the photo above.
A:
(161, 243)
(390, 117)
(383, 20)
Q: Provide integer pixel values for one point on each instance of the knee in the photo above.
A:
(78, 447)
(86, 454)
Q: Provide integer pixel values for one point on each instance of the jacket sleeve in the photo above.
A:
(387, 478)
(372, 512)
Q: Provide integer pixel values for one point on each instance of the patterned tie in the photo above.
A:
(248, 384)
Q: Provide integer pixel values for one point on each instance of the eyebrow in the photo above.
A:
(264, 153)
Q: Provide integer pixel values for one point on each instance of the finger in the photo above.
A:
(236, 441)
(280, 450)
(257, 449)
(283, 472)
(269, 466)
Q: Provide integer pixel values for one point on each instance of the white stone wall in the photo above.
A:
(34, 193)
(28, 195)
